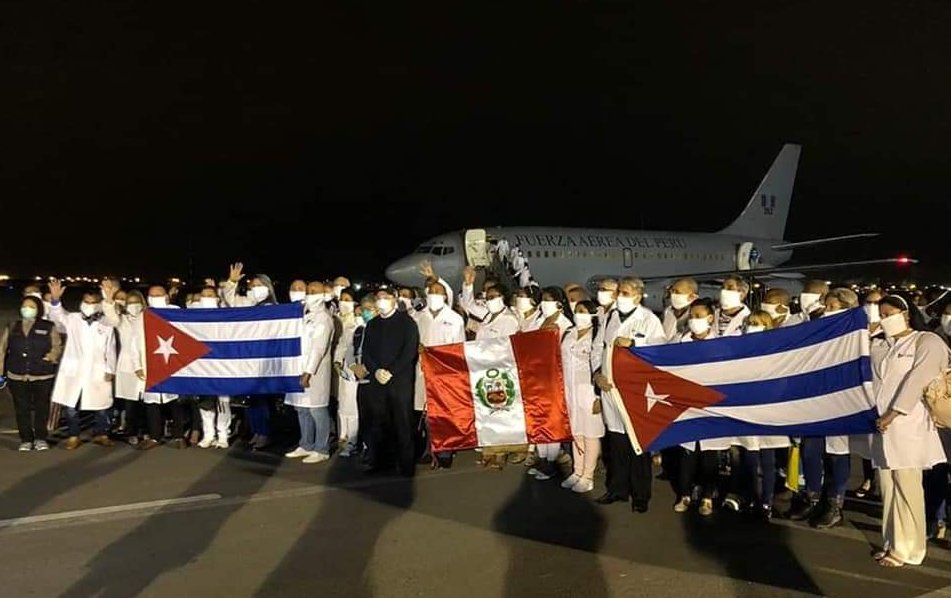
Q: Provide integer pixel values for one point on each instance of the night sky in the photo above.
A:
(333, 138)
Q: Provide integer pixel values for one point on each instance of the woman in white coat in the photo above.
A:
(348, 420)
(312, 404)
(214, 411)
(587, 425)
(88, 367)
(129, 387)
(908, 441)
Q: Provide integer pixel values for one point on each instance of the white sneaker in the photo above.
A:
(345, 452)
(222, 443)
(207, 442)
(25, 447)
(541, 476)
(316, 457)
(583, 486)
(41, 445)
(570, 480)
(297, 453)
(531, 471)
(683, 505)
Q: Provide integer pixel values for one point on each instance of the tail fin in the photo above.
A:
(765, 215)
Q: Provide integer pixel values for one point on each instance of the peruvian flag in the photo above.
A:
(496, 392)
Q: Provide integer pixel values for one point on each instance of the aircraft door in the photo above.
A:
(628, 258)
(477, 248)
(743, 252)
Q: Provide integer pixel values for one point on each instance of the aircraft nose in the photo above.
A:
(404, 271)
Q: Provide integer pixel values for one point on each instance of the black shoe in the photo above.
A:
(639, 506)
(444, 462)
(608, 498)
(830, 517)
(763, 514)
(805, 511)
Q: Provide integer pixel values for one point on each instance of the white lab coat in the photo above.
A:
(139, 362)
(345, 356)
(911, 441)
(90, 355)
(131, 334)
(443, 328)
(735, 326)
(532, 322)
(579, 388)
(500, 325)
(644, 328)
(316, 345)
(675, 327)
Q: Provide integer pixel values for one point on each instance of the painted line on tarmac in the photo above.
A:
(99, 511)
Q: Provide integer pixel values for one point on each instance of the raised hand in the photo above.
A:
(236, 272)
(468, 275)
(109, 290)
(57, 289)
(426, 269)
(210, 282)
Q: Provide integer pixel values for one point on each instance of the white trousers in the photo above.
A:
(219, 418)
(585, 452)
(548, 451)
(903, 514)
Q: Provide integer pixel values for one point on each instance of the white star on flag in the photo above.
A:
(654, 398)
(165, 348)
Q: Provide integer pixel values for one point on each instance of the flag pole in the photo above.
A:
(615, 397)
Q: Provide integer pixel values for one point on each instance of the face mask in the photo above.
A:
(28, 313)
(772, 309)
(523, 304)
(208, 302)
(871, 310)
(626, 305)
(894, 324)
(810, 302)
(259, 294)
(194, 305)
(337, 290)
(315, 299)
(571, 305)
(699, 326)
(436, 302)
(134, 309)
(833, 312)
(385, 306)
(583, 321)
(730, 299)
(549, 308)
(297, 296)
(605, 298)
(89, 309)
(158, 302)
(366, 314)
(946, 323)
(679, 301)
(754, 328)
(346, 307)
(495, 305)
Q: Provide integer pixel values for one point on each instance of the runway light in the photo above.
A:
(904, 260)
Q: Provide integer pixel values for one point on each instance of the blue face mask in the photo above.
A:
(366, 314)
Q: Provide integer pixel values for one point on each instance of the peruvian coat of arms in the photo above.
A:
(496, 389)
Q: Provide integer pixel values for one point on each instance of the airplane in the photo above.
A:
(752, 245)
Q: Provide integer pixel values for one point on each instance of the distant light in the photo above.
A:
(137, 279)
(37, 278)
(904, 260)
(4, 277)
(357, 286)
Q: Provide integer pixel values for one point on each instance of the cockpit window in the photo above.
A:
(424, 249)
(443, 250)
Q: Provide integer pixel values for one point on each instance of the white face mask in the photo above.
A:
(495, 305)
(134, 309)
(346, 307)
(259, 293)
(549, 308)
(754, 328)
(679, 301)
(337, 290)
(89, 309)
(871, 310)
(730, 299)
(315, 299)
(605, 298)
(158, 301)
(435, 302)
(626, 305)
(894, 324)
(810, 302)
(193, 305)
(385, 306)
(208, 302)
(523, 305)
(699, 326)
(297, 296)
(772, 309)
(833, 312)
(946, 323)
(583, 321)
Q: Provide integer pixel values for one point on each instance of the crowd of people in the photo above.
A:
(364, 393)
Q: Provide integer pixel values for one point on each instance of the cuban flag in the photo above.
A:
(814, 379)
(227, 351)
(495, 392)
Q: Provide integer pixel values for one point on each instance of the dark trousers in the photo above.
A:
(100, 422)
(700, 467)
(392, 424)
(31, 402)
(156, 422)
(755, 461)
(259, 415)
(134, 417)
(812, 449)
(630, 473)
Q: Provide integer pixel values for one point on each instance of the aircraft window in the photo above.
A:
(448, 250)
(424, 249)
(546, 253)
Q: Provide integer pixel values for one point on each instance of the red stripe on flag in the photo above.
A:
(449, 406)
(542, 380)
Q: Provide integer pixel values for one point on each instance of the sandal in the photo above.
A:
(880, 555)
(891, 562)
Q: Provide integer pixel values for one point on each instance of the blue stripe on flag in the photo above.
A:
(755, 345)
(677, 433)
(260, 313)
(801, 386)
(229, 386)
(260, 349)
